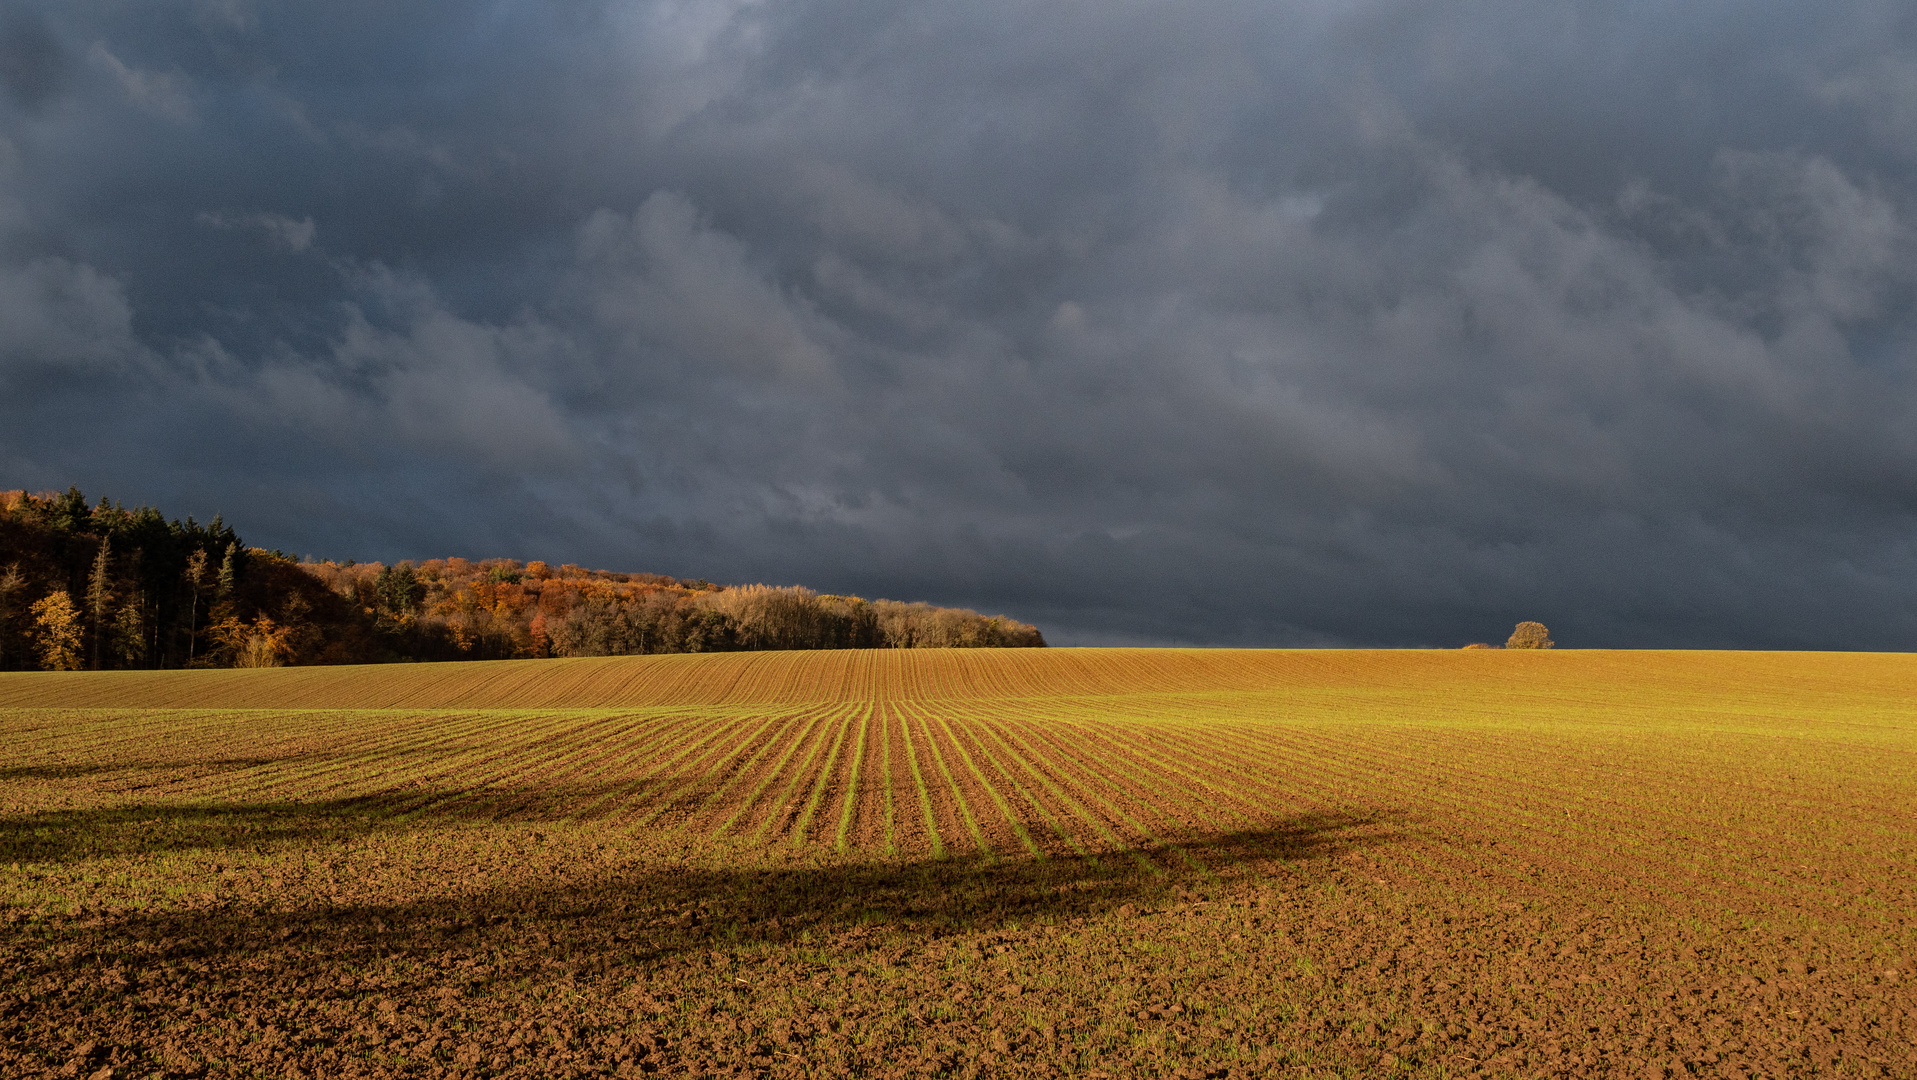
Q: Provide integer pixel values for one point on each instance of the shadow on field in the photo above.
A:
(70, 835)
(64, 836)
(132, 771)
(477, 928)
(590, 919)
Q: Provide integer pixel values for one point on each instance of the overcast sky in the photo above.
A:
(1259, 323)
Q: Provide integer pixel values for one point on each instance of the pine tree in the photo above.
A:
(100, 594)
(129, 633)
(70, 513)
(229, 569)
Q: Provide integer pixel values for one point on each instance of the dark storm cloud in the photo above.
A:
(1257, 323)
(31, 62)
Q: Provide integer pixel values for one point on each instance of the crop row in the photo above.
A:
(1718, 800)
(1846, 683)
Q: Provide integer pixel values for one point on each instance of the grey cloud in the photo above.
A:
(162, 93)
(665, 285)
(1251, 323)
(32, 63)
(59, 314)
(288, 233)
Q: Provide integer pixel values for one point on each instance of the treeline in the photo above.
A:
(444, 609)
(101, 586)
(97, 587)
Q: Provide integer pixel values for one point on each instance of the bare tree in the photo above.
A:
(195, 581)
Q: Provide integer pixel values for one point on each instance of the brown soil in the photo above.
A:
(1499, 877)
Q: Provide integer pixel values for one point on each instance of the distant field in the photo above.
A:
(976, 862)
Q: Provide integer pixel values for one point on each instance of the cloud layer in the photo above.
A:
(1245, 323)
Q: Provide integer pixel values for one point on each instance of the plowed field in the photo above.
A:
(1018, 862)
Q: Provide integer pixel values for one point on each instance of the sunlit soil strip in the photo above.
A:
(448, 743)
(850, 802)
(1307, 776)
(1682, 861)
(706, 763)
(1214, 778)
(1127, 764)
(1524, 808)
(1199, 772)
(782, 807)
(120, 737)
(1044, 812)
(1730, 797)
(1092, 780)
(1334, 783)
(1311, 764)
(884, 717)
(472, 787)
(787, 734)
(538, 782)
(441, 787)
(243, 776)
(866, 814)
(346, 771)
(792, 678)
(1122, 773)
(150, 763)
(618, 770)
(804, 821)
(789, 745)
(1586, 856)
(635, 773)
(1022, 754)
(993, 775)
(904, 722)
(1061, 766)
(1017, 827)
(1039, 763)
(958, 796)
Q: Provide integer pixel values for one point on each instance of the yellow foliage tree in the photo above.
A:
(262, 643)
(56, 625)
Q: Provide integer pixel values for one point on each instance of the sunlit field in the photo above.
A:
(969, 862)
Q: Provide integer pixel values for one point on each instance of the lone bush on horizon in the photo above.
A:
(1530, 635)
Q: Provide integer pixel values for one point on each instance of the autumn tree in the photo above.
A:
(1530, 635)
(56, 623)
(264, 644)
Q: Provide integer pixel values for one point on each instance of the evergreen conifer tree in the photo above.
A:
(229, 569)
(129, 633)
(100, 594)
